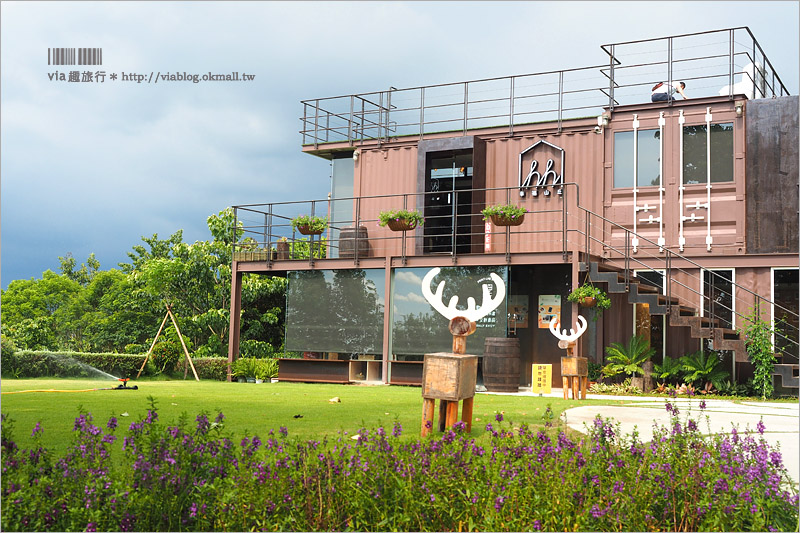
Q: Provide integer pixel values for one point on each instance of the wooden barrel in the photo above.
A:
(501, 364)
(348, 237)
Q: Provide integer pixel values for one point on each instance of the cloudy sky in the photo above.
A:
(92, 167)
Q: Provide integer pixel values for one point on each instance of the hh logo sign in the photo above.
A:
(534, 176)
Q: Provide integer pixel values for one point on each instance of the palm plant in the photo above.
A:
(703, 367)
(628, 359)
(668, 370)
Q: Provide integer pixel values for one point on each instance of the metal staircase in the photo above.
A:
(701, 327)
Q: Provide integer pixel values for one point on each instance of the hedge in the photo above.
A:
(32, 364)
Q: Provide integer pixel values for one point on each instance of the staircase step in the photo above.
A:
(790, 375)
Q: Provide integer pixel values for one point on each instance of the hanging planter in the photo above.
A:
(309, 224)
(587, 295)
(504, 215)
(308, 230)
(401, 225)
(400, 219)
(500, 220)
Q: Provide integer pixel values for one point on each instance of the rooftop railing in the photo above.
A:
(714, 63)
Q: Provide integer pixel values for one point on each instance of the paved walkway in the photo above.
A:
(782, 420)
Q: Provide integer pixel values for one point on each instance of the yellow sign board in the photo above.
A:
(541, 379)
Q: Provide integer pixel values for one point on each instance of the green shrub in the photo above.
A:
(211, 367)
(166, 355)
(254, 348)
(701, 368)
(412, 217)
(34, 364)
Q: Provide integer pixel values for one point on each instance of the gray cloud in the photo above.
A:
(93, 167)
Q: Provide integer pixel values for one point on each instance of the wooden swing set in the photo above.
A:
(188, 363)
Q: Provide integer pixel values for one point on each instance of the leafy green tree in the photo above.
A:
(83, 275)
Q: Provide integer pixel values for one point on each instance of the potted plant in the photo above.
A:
(505, 215)
(267, 369)
(587, 295)
(400, 219)
(309, 224)
(283, 248)
(239, 369)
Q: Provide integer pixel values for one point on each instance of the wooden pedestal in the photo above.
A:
(449, 378)
(575, 376)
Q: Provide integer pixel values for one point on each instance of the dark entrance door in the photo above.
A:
(448, 202)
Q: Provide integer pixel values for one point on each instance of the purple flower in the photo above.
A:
(597, 512)
(489, 427)
(283, 431)
(760, 427)
(499, 502)
(397, 430)
(91, 526)
(702, 404)
(499, 417)
(537, 525)
(202, 423)
(691, 425)
(152, 416)
(618, 486)
(37, 429)
(112, 423)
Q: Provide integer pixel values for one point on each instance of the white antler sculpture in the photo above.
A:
(572, 337)
(488, 304)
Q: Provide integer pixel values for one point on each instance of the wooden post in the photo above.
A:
(452, 413)
(427, 415)
(442, 414)
(152, 346)
(180, 336)
(565, 387)
(466, 413)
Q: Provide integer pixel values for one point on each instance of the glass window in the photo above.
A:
(718, 296)
(785, 295)
(417, 328)
(648, 165)
(335, 311)
(694, 153)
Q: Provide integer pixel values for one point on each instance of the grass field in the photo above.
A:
(248, 408)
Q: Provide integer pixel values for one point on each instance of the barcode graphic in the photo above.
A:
(72, 56)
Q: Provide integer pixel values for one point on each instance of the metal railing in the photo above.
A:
(567, 229)
(597, 230)
(709, 62)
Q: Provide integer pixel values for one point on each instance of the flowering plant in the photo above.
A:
(503, 211)
(413, 218)
(311, 222)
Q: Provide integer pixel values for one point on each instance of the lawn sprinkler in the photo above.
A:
(124, 385)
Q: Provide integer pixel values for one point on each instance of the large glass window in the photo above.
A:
(648, 165)
(695, 141)
(417, 328)
(785, 296)
(335, 311)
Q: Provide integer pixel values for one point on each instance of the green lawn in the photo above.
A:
(248, 408)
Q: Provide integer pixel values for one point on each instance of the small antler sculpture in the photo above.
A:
(573, 336)
(488, 304)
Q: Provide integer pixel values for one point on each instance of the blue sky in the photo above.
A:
(92, 167)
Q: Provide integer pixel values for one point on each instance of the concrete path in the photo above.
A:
(782, 420)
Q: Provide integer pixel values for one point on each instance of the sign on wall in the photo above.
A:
(549, 309)
(541, 166)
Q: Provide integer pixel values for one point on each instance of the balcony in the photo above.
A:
(715, 63)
